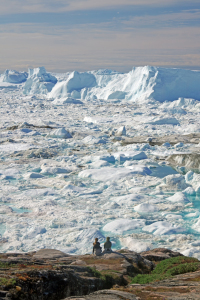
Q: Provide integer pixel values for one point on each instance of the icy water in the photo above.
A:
(68, 176)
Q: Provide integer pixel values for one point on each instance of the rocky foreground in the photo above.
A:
(52, 275)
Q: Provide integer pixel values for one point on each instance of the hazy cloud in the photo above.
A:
(180, 19)
(89, 48)
(38, 6)
(66, 35)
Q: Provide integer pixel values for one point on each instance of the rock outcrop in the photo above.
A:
(159, 254)
(52, 275)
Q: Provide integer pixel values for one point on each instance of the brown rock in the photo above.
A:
(106, 295)
(49, 254)
(159, 254)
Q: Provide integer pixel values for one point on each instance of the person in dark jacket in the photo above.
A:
(96, 247)
(107, 244)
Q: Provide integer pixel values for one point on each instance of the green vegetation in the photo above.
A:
(94, 272)
(107, 277)
(7, 281)
(5, 265)
(168, 268)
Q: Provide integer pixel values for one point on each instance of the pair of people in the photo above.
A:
(97, 248)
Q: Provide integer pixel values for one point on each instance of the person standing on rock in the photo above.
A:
(96, 247)
(107, 245)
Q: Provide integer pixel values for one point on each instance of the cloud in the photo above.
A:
(38, 6)
(88, 40)
(180, 19)
(107, 4)
(90, 47)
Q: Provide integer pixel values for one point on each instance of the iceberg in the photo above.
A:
(140, 84)
(75, 82)
(61, 133)
(143, 83)
(13, 76)
(39, 82)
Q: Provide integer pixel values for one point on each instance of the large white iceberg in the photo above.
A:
(151, 82)
(13, 76)
(140, 84)
(39, 82)
(75, 82)
(147, 83)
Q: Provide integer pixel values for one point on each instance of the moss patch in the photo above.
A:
(168, 268)
(108, 279)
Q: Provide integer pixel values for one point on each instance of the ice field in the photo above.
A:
(98, 154)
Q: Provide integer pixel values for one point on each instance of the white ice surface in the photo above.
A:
(146, 208)
(67, 174)
(179, 197)
(123, 225)
(163, 228)
(135, 245)
(113, 174)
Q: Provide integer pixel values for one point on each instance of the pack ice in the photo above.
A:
(100, 153)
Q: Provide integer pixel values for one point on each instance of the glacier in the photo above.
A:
(98, 153)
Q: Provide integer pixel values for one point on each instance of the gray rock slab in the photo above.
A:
(49, 254)
(159, 254)
(106, 294)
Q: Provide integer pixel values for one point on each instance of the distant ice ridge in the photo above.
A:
(13, 76)
(39, 82)
(141, 83)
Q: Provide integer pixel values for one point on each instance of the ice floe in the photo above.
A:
(113, 174)
(60, 133)
(135, 245)
(162, 228)
(146, 208)
(123, 225)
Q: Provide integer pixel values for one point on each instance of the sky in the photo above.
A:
(67, 35)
